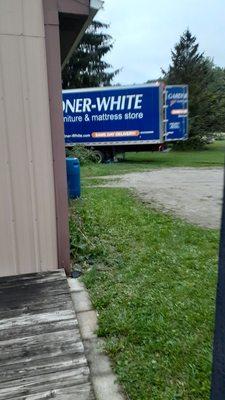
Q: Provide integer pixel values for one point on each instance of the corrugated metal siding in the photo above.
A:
(28, 241)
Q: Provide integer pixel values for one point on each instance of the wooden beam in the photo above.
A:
(53, 58)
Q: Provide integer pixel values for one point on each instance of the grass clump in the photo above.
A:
(152, 279)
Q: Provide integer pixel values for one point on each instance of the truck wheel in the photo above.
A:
(99, 156)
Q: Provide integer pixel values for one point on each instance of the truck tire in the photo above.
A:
(99, 156)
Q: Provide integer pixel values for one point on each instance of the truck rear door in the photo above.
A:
(176, 113)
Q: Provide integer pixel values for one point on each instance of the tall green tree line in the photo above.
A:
(206, 88)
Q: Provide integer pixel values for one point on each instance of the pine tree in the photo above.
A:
(87, 67)
(189, 66)
(216, 93)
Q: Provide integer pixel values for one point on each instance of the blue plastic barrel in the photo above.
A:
(73, 177)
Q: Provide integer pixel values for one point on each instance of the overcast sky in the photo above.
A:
(145, 31)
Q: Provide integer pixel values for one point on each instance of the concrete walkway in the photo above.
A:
(102, 377)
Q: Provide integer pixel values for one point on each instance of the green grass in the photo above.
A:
(152, 279)
(212, 156)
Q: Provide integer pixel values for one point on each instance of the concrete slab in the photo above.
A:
(102, 377)
(106, 388)
(88, 324)
(98, 361)
(76, 285)
(81, 301)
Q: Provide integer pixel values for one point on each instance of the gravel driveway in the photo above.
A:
(194, 194)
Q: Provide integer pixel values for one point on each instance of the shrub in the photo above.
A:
(219, 135)
(85, 156)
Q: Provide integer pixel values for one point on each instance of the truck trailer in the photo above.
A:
(113, 120)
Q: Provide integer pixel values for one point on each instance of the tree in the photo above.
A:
(189, 66)
(216, 92)
(87, 67)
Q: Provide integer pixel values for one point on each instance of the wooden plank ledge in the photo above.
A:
(41, 352)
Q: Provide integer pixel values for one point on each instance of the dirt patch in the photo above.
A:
(194, 194)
